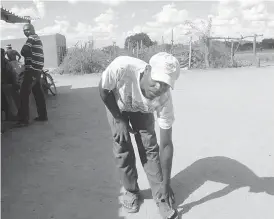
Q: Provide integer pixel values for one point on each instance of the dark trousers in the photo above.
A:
(143, 124)
(11, 100)
(4, 102)
(31, 82)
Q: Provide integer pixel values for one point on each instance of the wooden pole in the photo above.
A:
(207, 44)
(254, 45)
(137, 50)
(232, 53)
(163, 44)
(171, 42)
(190, 53)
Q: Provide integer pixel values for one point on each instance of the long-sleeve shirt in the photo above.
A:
(33, 53)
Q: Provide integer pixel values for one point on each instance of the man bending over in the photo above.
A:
(132, 91)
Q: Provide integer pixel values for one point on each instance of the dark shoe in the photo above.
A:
(41, 119)
(21, 124)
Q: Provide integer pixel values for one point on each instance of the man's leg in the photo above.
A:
(39, 98)
(12, 107)
(24, 97)
(4, 102)
(16, 98)
(143, 124)
(125, 160)
(126, 164)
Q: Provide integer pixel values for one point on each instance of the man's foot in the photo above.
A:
(130, 202)
(21, 124)
(41, 119)
(166, 211)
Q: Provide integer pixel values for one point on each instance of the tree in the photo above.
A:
(132, 40)
(204, 34)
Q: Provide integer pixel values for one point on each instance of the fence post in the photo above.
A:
(137, 49)
(232, 53)
(190, 53)
(254, 46)
(207, 44)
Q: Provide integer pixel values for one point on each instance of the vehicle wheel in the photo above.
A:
(51, 85)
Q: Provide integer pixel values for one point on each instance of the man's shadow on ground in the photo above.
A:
(216, 169)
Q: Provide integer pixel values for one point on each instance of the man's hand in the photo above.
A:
(122, 131)
(167, 194)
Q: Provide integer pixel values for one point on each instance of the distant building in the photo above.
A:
(54, 48)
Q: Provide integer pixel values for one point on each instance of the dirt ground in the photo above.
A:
(223, 159)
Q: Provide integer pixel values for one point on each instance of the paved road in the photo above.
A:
(223, 160)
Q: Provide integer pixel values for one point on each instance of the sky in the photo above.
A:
(109, 21)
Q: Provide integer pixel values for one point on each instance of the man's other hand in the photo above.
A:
(167, 194)
(122, 131)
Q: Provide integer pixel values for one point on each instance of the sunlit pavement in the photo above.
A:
(223, 158)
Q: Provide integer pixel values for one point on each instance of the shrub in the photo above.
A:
(84, 60)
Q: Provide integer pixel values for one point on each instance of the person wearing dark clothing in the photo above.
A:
(34, 63)
(9, 88)
(12, 54)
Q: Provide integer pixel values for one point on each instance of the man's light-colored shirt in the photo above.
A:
(122, 76)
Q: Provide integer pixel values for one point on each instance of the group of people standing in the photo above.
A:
(19, 92)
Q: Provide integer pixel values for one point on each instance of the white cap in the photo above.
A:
(165, 68)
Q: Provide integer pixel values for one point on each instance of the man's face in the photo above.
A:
(155, 88)
(27, 30)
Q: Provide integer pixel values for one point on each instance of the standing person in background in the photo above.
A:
(132, 91)
(12, 57)
(9, 88)
(12, 54)
(34, 63)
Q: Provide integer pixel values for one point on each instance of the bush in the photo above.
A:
(84, 60)
(219, 56)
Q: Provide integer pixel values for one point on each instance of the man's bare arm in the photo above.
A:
(166, 154)
(122, 126)
(110, 102)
